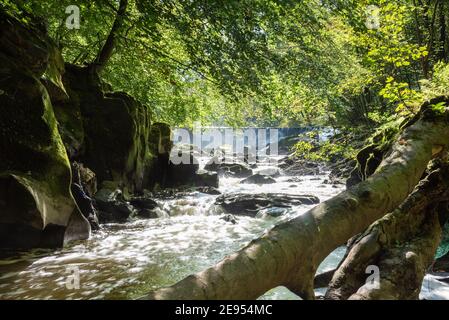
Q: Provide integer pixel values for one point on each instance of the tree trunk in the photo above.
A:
(108, 48)
(401, 245)
(290, 253)
(442, 41)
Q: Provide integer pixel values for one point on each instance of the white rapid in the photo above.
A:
(124, 261)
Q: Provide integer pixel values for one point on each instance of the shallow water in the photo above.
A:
(124, 261)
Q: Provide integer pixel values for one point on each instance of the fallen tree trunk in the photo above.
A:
(290, 253)
(401, 246)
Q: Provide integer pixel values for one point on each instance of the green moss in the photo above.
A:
(311, 149)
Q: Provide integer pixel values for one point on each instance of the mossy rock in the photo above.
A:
(36, 205)
(111, 132)
(119, 142)
(25, 47)
(34, 169)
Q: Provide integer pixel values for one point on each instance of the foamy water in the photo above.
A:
(125, 261)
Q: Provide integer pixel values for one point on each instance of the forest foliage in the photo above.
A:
(340, 63)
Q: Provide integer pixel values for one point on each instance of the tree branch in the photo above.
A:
(108, 48)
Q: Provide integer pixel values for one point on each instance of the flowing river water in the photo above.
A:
(124, 261)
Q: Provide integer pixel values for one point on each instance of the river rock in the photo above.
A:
(145, 207)
(272, 172)
(208, 190)
(237, 170)
(273, 212)
(251, 204)
(205, 178)
(143, 203)
(229, 218)
(147, 214)
(112, 206)
(85, 204)
(189, 175)
(258, 179)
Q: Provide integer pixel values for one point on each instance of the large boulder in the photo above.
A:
(112, 206)
(247, 204)
(160, 141)
(233, 169)
(181, 173)
(113, 130)
(145, 207)
(204, 178)
(36, 206)
(187, 173)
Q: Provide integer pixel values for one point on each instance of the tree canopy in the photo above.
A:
(257, 62)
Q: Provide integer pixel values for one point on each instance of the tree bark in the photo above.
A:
(442, 41)
(402, 245)
(108, 48)
(290, 253)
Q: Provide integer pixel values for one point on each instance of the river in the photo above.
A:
(124, 261)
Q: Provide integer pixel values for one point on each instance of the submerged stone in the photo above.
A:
(258, 179)
(252, 204)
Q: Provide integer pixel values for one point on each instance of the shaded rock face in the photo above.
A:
(182, 173)
(204, 178)
(188, 174)
(84, 177)
(36, 206)
(160, 141)
(110, 132)
(252, 204)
